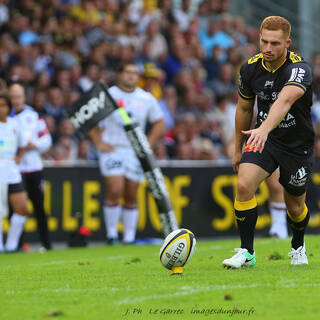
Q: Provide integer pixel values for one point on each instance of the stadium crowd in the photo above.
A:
(188, 52)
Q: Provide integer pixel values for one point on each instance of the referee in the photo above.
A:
(283, 137)
(31, 167)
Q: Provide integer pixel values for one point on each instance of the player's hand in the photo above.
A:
(30, 146)
(104, 147)
(257, 139)
(236, 161)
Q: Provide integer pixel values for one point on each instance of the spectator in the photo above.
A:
(158, 43)
(151, 79)
(168, 106)
(183, 15)
(225, 84)
(55, 107)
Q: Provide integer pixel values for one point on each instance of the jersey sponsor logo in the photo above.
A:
(263, 96)
(297, 75)
(288, 121)
(299, 178)
(268, 84)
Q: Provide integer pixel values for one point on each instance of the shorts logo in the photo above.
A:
(113, 164)
(300, 178)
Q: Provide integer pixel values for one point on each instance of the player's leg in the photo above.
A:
(298, 218)
(3, 209)
(130, 211)
(294, 175)
(18, 202)
(112, 209)
(249, 178)
(277, 207)
(134, 175)
(1, 236)
(112, 168)
(33, 185)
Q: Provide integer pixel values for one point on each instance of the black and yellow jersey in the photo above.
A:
(295, 132)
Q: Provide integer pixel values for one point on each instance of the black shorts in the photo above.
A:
(15, 187)
(295, 171)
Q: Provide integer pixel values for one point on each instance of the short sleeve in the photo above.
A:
(155, 112)
(298, 74)
(244, 89)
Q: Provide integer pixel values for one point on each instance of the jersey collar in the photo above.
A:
(273, 71)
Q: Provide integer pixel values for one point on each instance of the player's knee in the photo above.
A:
(114, 195)
(295, 208)
(243, 190)
(130, 200)
(21, 208)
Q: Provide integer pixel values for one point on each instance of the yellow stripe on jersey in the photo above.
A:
(273, 71)
(294, 57)
(244, 96)
(255, 58)
(245, 205)
(296, 84)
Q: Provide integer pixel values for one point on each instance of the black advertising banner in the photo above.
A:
(202, 199)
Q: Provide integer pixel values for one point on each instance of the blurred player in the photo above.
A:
(283, 137)
(277, 207)
(118, 162)
(11, 138)
(31, 167)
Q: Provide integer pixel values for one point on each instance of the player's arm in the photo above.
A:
(19, 155)
(157, 132)
(42, 141)
(95, 136)
(243, 120)
(287, 97)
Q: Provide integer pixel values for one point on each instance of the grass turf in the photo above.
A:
(128, 282)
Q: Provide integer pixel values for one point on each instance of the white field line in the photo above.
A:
(56, 262)
(190, 290)
(183, 291)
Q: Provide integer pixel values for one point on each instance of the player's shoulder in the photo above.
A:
(254, 59)
(249, 67)
(296, 61)
(145, 95)
(28, 111)
(114, 89)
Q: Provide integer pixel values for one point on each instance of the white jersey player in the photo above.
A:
(11, 138)
(39, 141)
(117, 160)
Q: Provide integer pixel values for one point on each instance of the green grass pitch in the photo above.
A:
(128, 282)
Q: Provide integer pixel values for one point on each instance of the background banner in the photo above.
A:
(202, 198)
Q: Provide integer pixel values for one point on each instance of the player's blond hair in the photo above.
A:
(276, 23)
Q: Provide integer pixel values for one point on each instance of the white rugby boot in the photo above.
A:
(298, 256)
(242, 258)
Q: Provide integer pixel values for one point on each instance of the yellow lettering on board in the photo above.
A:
(91, 205)
(69, 223)
(315, 218)
(220, 182)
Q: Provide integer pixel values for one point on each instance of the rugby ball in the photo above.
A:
(177, 249)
